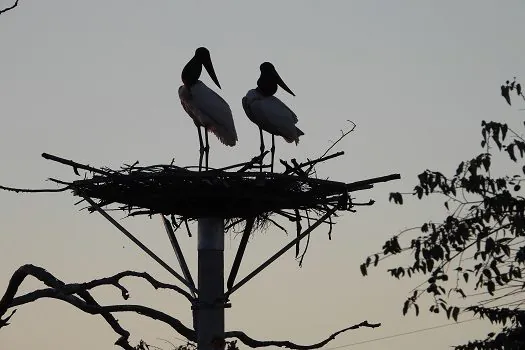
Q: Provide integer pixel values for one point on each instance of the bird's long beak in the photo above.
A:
(281, 83)
(209, 68)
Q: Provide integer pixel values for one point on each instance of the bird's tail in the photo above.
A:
(227, 137)
(299, 134)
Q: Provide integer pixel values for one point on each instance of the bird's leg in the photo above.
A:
(207, 148)
(201, 149)
(261, 148)
(273, 151)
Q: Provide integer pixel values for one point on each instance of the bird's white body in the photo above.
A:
(209, 110)
(271, 115)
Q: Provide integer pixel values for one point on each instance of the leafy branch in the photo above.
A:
(480, 243)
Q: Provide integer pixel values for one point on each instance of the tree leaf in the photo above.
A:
(455, 313)
(491, 287)
(363, 269)
(486, 163)
(465, 276)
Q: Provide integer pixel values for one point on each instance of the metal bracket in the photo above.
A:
(280, 252)
(178, 253)
(240, 252)
(139, 243)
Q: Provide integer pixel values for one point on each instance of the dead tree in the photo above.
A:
(239, 196)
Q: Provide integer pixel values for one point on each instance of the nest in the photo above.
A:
(237, 192)
(241, 194)
(171, 190)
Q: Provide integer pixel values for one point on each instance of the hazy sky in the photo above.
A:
(96, 81)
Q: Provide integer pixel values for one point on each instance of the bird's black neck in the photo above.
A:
(191, 72)
(266, 86)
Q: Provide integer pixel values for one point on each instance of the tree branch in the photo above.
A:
(287, 344)
(18, 277)
(29, 190)
(9, 8)
(114, 280)
(60, 290)
(96, 309)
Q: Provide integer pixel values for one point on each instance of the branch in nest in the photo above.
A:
(287, 344)
(343, 135)
(29, 190)
(279, 226)
(84, 301)
(308, 239)
(10, 7)
(74, 165)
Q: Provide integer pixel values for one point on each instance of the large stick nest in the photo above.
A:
(172, 190)
(234, 193)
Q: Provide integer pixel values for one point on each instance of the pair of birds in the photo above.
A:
(211, 112)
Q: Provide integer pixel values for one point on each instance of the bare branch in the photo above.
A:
(113, 280)
(343, 135)
(18, 277)
(10, 7)
(74, 288)
(29, 190)
(287, 344)
(95, 309)
(74, 165)
(84, 301)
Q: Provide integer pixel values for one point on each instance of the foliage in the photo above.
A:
(479, 246)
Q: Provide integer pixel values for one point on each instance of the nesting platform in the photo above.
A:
(237, 191)
(221, 194)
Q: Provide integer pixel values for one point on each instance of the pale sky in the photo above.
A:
(96, 81)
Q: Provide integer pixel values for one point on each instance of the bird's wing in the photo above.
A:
(213, 112)
(283, 109)
(274, 116)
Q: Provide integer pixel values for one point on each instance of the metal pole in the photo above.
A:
(209, 315)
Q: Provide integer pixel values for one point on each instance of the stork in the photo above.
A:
(268, 112)
(205, 106)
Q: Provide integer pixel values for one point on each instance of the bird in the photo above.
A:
(268, 112)
(207, 109)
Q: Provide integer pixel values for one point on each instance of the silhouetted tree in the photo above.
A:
(474, 258)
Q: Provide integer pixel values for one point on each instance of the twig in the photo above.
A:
(343, 135)
(313, 162)
(246, 165)
(227, 227)
(374, 180)
(75, 165)
(308, 239)
(252, 343)
(28, 190)
(10, 7)
(279, 226)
